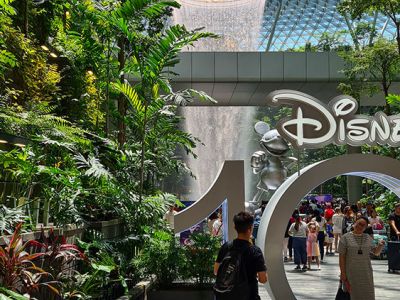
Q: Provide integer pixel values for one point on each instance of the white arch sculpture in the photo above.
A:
(383, 170)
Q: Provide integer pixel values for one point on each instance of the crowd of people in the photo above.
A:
(315, 229)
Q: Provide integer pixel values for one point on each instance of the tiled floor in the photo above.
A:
(323, 284)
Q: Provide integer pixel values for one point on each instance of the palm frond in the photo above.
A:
(164, 53)
(94, 168)
(131, 94)
(45, 140)
(184, 97)
(147, 8)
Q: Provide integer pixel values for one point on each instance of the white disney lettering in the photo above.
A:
(300, 122)
(357, 133)
(333, 123)
(395, 136)
(339, 107)
(382, 131)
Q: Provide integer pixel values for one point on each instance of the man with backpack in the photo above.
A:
(239, 264)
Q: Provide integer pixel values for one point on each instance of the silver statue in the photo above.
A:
(271, 164)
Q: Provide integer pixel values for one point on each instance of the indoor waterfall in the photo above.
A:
(226, 132)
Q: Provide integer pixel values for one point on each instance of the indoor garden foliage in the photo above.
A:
(88, 132)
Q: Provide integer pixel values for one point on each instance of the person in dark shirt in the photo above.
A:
(367, 230)
(394, 222)
(348, 220)
(252, 257)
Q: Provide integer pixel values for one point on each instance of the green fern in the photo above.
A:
(131, 94)
(43, 125)
(94, 168)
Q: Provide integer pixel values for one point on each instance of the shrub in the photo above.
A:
(161, 256)
(200, 257)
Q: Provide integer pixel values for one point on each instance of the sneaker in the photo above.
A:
(285, 259)
(319, 268)
(297, 268)
(304, 268)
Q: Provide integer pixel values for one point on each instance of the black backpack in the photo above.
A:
(231, 282)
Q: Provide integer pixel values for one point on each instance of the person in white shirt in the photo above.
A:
(211, 220)
(170, 215)
(298, 231)
(218, 227)
(321, 222)
(337, 220)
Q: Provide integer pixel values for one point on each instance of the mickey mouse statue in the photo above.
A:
(272, 163)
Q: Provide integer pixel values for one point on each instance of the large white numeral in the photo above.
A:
(229, 187)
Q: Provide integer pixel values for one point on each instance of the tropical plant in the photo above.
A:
(148, 216)
(6, 294)
(161, 256)
(102, 276)
(10, 218)
(91, 39)
(200, 256)
(7, 59)
(18, 271)
(149, 65)
(58, 256)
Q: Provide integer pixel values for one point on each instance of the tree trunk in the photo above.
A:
(108, 89)
(388, 112)
(121, 98)
(386, 93)
(398, 36)
(354, 183)
(143, 141)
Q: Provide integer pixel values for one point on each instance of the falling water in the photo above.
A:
(237, 22)
(226, 132)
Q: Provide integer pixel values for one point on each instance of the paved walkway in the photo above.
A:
(323, 284)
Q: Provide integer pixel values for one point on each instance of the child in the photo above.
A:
(329, 237)
(312, 246)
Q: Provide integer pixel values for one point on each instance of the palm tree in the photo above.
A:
(149, 65)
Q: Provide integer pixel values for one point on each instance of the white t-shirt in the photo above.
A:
(302, 232)
(218, 228)
(169, 217)
(337, 221)
(210, 224)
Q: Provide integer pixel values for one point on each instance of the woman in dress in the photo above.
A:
(337, 221)
(355, 262)
(312, 246)
(321, 222)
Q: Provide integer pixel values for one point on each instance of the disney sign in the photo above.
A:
(314, 124)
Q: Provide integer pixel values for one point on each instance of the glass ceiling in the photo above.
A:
(298, 22)
(273, 25)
